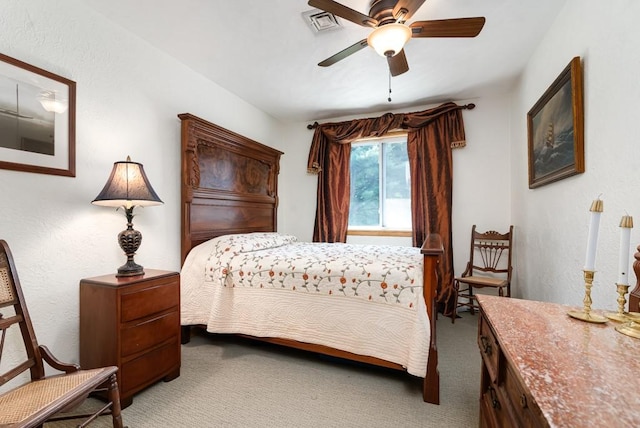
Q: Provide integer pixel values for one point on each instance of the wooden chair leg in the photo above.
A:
(114, 397)
(472, 305)
(456, 287)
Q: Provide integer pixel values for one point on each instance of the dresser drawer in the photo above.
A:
(524, 408)
(151, 332)
(140, 372)
(158, 297)
(489, 349)
(493, 413)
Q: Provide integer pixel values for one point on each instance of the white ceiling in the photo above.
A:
(264, 52)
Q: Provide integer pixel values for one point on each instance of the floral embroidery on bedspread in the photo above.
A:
(385, 274)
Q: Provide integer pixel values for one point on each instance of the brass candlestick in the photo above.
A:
(621, 315)
(630, 328)
(585, 314)
(633, 316)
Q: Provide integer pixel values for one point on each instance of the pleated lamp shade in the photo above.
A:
(127, 186)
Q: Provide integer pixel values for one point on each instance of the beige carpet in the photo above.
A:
(228, 382)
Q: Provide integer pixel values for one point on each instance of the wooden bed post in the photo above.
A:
(432, 250)
(634, 295)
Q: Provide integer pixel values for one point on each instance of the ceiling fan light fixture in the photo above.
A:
(389, 39)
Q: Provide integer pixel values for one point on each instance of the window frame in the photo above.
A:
(381, 230)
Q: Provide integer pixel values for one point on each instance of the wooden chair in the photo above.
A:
(489, 265)
(42, 398)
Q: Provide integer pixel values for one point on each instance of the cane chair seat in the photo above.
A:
(44, 398)
(484, 281)
(489, 265)
(23, 405)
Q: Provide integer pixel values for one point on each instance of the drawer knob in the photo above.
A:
(486, 345)
(523, 401)
(494, 399)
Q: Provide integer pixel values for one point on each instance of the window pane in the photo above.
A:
(397, 188)
(365, 185)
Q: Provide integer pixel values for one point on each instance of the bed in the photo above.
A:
(239, 274)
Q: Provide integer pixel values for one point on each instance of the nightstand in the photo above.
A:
(132, 323)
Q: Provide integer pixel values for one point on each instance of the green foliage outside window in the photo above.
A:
(364, 209)
(379, 176)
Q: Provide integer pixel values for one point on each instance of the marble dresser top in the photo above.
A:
(580, 374)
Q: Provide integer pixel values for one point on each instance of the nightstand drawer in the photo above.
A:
(141, 371)
(156, 298)
(149, 333)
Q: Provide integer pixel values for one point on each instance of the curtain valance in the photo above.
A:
(348, 131)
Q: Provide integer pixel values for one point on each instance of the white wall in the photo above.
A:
(553, 220)
(481, 182)
(128, 98)
(296, 188)
(481, 171)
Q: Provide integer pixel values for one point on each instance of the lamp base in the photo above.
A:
(130, 240)
(130, 269)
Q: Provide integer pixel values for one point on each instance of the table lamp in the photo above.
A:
(126, 188)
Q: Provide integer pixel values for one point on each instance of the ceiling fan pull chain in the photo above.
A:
(389, 99)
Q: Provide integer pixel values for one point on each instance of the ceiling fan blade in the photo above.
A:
(461, 27)
(344, 53)
(410, 6)
(344, 12)
(398, 63)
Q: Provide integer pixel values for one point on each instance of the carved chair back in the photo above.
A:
(11, 297)
(44, 398)
(490, 253)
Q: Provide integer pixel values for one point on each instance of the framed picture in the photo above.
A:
(37, 119)
(555, 128)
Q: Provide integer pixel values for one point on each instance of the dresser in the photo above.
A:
(132, 323)
(542, 368)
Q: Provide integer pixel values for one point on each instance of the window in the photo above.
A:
(380, 185)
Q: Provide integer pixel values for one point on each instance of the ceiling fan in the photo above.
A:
(390, 34)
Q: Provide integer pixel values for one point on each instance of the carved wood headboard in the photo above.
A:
(229, 183)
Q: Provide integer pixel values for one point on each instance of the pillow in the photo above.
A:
(246, 242)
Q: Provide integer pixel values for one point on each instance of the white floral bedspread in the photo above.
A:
(382, 274)
(363, 299)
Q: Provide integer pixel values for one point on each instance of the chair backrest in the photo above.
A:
(11, 296)
(491, 252)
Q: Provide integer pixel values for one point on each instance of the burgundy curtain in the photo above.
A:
(431, 169)
(431, 135)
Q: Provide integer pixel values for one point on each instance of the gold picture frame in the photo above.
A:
(555, 129)
(37, 119)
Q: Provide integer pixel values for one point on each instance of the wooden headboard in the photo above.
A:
(229, 183)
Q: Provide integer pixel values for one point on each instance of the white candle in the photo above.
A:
(626, 223)
(594, 226)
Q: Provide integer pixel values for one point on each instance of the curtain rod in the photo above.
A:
(469, 106)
